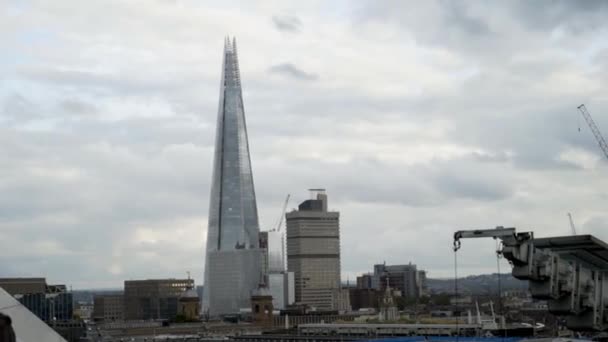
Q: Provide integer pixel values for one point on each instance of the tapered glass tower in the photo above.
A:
(233, 258)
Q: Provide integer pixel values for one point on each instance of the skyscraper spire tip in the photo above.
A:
(228, 44)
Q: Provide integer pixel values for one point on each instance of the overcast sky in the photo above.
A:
(420, 118)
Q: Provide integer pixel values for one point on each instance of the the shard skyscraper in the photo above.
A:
(233, 258)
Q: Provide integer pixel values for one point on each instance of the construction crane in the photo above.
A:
(278, 226)
(572, 224)
(594, 129)
(569, 272)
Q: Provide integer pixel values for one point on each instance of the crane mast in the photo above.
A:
(594, 129)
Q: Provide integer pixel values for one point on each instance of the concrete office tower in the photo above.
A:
(233, 258)
(313, 252)
(403, 278)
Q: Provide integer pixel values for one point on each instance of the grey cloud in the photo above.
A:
(77, 107)
(104, 83)
(576, 16)
(436, 23)
(87, 186)
(292, 71)
(499, 157)
(466, 27)
(369, 181)
(16, 108)
(456, 16)
(286, 23)
(474, 185)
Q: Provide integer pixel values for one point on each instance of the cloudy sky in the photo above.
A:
(420, 118)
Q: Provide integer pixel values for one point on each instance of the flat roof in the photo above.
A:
(586, 248)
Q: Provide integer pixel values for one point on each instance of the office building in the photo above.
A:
(364, 298)
(421, 283)
(153, 298)
(27, 325)
(313, 252)
(281, 288)
(279, 283)
(83, 310)
(403, 278)
(365, 281)
(108, 308)
(407, 279)
(271, 243)
(50, 303)
(233, 264)
(23, 285)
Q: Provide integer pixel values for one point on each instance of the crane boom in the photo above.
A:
(283, 213)
(594, 129)
(570, 272)
(572, 224)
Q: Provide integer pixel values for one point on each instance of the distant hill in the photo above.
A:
(484, 284)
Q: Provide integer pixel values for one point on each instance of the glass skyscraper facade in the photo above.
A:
(233, 257)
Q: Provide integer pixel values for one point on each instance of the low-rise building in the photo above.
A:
(52, 304)
(83, 310)
(154, 298)
(363, 298)
(108, 308)
(407, 279)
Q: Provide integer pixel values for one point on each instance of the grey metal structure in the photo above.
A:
(596, 131)
(233, 229)
(567, 271)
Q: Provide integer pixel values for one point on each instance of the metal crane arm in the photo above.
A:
(596, 131)
(283, 213)
(569, 272)
(498, 232)
(515, 245)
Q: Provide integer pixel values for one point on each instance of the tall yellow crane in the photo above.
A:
(594, 129)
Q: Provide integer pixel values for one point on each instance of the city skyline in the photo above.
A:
(419, 123)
